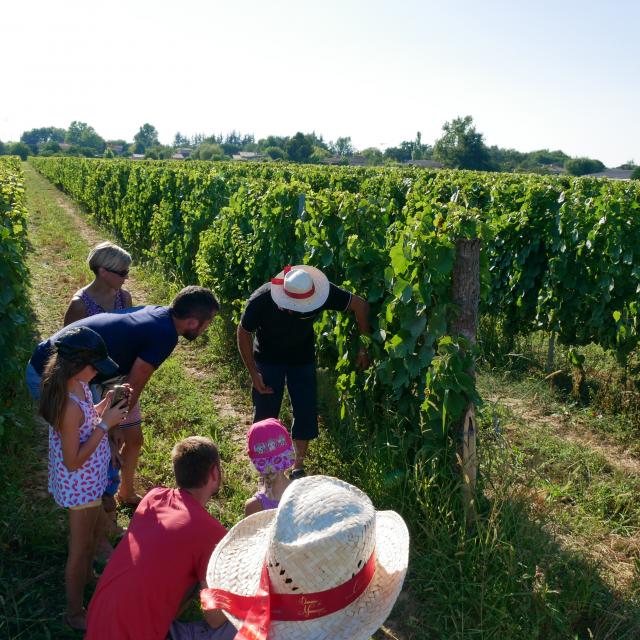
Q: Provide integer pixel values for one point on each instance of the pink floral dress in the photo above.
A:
(86, 484)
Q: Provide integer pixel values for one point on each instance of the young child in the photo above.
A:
(271, 451)
(78, 449)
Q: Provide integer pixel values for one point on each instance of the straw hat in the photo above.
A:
(325, 564)
(300, 288)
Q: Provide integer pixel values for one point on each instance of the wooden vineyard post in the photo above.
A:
(465, 293)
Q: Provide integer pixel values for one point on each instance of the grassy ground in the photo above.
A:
(554, 553)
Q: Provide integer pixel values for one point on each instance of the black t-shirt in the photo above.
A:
(281, 336)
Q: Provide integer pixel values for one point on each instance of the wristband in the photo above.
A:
(103, 426)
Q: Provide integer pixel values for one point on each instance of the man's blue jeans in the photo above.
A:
(301, 384)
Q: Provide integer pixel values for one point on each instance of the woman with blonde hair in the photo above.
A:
(110, 265)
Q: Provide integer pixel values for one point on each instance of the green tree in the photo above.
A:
(318, 154)
(373, 156)
(85, 136)
(35, 138)
(49, 148)
(342, 147)
(180, 141)
(209, 151)
(636, 174)
(275, 153)
(299, 148)
(273, 141)
(19, 149)
(3, 149)
(401, 153)
(146, 137)
(583, 166)
(461, 146)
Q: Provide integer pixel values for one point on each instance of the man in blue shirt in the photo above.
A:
(139, 340)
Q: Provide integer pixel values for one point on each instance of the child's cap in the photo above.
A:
(269, 446)
(84, 346)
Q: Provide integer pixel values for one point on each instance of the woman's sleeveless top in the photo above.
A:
(74, 488)
(93, 307)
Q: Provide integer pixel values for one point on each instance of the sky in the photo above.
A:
(561, 74)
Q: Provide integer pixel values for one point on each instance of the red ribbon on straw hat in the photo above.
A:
(290, 294)
(258, 610)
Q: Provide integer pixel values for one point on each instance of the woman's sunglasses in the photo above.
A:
(122, 274)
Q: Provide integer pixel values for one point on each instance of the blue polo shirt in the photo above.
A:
(140, 332)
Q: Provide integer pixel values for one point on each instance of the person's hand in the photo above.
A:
(362, 359)
(259, 385)
(129, 391)
(115, 415)
(104, 403)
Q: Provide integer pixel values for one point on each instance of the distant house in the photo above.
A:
(354, 161)
(137, 156)
(64, 146)
(116, 148)
(181, 154)
(336, 160)
(425, 164)
(612, 174)
(554, 169)
(249, 156)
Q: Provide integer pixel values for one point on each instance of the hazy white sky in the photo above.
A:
(561, 74)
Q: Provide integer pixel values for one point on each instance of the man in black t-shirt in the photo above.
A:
(281, 314)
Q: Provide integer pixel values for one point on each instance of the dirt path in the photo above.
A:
(232, 406)
(565, 426)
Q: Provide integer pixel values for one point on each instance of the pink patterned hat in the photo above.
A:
(269, 446)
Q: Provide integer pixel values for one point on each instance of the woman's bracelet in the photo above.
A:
(103, 426)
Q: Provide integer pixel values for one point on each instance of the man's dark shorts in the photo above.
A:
(301, 384)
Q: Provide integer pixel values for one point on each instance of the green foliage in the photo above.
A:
(461, 146)
(636, 174)
(559, 255)
(19, 149)
(14, 332)
(582, 166)
(299, 148)
(146, 137)
(85, 137)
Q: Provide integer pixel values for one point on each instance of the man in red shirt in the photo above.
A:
(163, 557)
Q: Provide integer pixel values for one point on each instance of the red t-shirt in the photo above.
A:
(165, 552)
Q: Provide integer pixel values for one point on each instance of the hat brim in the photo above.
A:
(106, 366)
(237, 561)
(319, 297)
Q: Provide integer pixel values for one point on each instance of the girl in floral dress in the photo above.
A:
(271, 452)
(78, 449)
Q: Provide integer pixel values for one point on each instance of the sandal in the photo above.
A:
(130, 502)
(76, 623)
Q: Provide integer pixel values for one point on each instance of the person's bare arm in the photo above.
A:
(245, 346)
(360, 309)
(252, 505)
(75, 311)
(138, 377)
(74, 453)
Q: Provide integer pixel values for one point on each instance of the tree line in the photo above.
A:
(460, 146)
